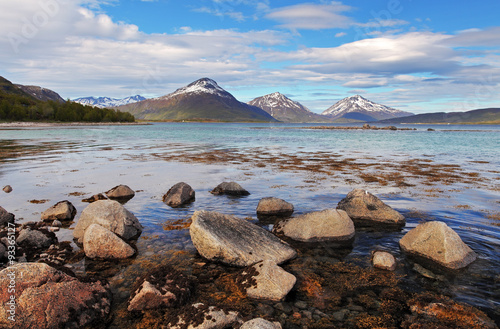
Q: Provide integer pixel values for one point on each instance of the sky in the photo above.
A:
(414, 55)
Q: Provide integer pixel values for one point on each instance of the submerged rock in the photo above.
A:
(365, 209)
(5, 217)
(326, 225)
(48, 298)
(274, 207)
(110, 215)
(384, 260)
(99, 242)
(162, 287)
(229, 188)
(438, 243)
(201, 316)
(433, 311)
(178, 195)
(259, 323)
(235, 241)
(63, 211)
(120, 192)
(96, 197)
(266, 280)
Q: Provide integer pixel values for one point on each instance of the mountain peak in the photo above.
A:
(200, 86)
(360, 108)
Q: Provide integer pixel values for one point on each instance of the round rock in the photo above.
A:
(236, 241)
(259, 323)
(437, 242)
(274, 207)
(7, 188)
(111, 215)
(62, 211)
(384, 260)
(99, 242)
(179, 195)
(326, 225)
(365, 209)
(229, 188)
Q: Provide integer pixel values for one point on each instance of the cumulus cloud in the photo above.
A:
(310, 16)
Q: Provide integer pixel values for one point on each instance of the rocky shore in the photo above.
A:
(241, 275)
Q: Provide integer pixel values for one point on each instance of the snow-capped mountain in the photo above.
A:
(201, 86)
(284, 109)
(359, 108)
(200, 100)
(107, 101)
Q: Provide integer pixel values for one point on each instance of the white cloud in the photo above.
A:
(340, 34)
(310, 16)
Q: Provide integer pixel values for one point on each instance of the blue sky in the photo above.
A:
(414, 55)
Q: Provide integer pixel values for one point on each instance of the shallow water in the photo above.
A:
(61, 163)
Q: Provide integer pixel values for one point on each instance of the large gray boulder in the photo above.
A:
(266, 280)
(436, 242)
(179, 195)
(274, 207)
(235, 241)
(62, 211)
(111, 215)
(5, 217)
(229, 188)
(201, 316)
(99, 242)
(260, 323)
(327, 225)
(48, 298)
(120, 192)
(365, 209)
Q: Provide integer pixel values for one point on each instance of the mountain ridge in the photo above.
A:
(105, 102)
(478, 116)
(284, 109)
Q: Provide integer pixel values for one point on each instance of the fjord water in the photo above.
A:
(58, 163)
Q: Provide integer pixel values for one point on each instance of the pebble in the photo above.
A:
(283, 307)
(301, 304)
(54, 229)
(307, 314)
(56, 223)
(265, 310)
(7, 189)
(356, 308)
(340, 315)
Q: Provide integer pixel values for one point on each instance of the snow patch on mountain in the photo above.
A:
(201, 86)
(108, 101)
(360, 104)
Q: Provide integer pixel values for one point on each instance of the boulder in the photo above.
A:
(436, 242)
(365, 209)
(162, 287)
(34, 239)
(259, 323)
(235, 241)
(274, 207)
(5, 217)
(200, 316)
(7, 188)
(266, 280)
(63, 210)
(384, 260)
(99, 242)
(48, 298)
(179, 195)
(110, 215)
(326, 225)
(120, 192)
(229, 188)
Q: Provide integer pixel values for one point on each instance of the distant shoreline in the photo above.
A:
(67, 124)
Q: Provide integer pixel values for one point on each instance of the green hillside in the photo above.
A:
(481, 116)
(16, 105)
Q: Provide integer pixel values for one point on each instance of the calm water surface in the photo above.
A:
(75, 162)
